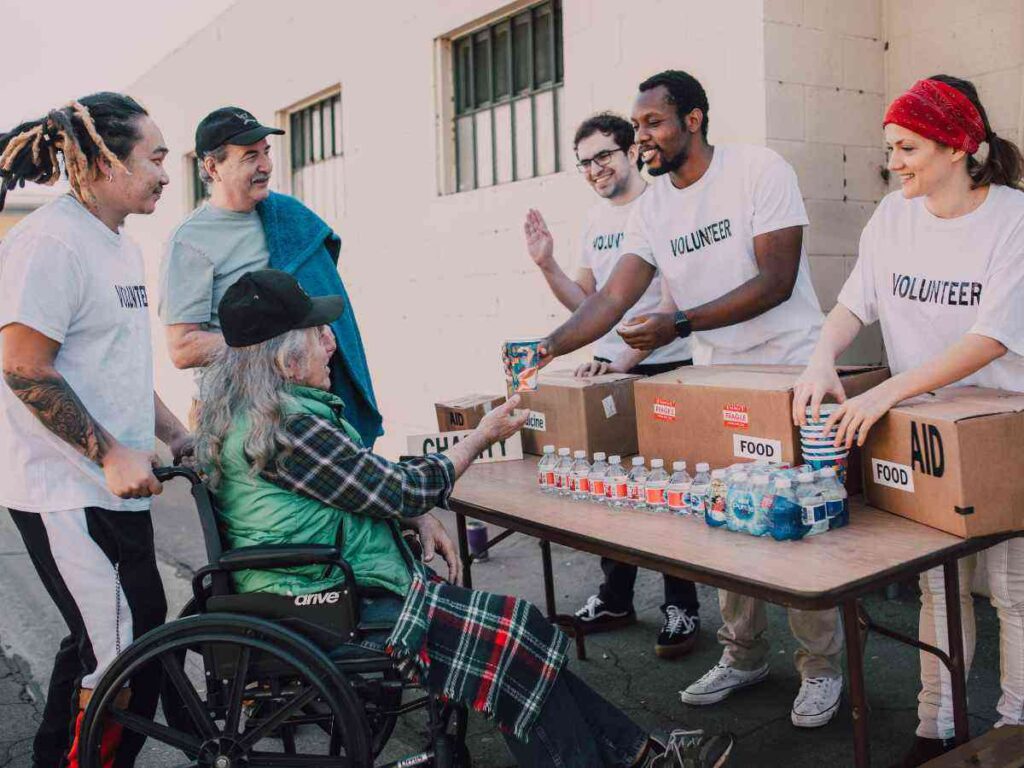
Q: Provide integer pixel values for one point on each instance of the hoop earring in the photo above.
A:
(110, 177)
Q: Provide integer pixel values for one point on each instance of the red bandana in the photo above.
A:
(939, 112)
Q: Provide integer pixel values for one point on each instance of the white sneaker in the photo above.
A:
(719, 682)
(817, 702)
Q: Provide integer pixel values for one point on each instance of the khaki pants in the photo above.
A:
(819, 633)
(1004, 567)
(744, 621)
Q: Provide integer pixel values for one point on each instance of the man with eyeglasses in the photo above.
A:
(722, 226)
(607, 158)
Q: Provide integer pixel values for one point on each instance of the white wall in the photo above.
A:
(825, 84)
(437, 281)
(980, 40)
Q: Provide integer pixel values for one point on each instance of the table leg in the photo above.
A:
(570, 624)
(957, 668)
(549, 579)
(858, 694)
(467, 563)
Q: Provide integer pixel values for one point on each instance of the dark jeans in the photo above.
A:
(577, 728)
(617, 590)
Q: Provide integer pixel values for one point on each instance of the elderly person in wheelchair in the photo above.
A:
(286, 468)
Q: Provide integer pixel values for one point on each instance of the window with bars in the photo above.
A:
(200, 191)
(507, 80)
(314, 140)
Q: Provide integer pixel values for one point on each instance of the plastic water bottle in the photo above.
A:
(738, 507)
(579, 476)
(811, 503)
(678, 489)
(635, 484)
(837, 503)
(762, 498)
(698, 499)
(714, 509)
(655, 485)
(616, 483)
(546, 470)
(562, 469)
(597, 473)
(787, 516)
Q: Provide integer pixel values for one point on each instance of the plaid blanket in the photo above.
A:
(494, 653)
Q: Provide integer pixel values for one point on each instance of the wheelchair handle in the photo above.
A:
(163, 474)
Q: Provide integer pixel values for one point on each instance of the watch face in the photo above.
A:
(682, 324)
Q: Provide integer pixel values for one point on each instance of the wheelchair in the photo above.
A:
(256, 680)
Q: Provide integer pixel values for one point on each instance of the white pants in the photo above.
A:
(1004, 567)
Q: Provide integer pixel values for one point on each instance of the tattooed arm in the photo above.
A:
(28, 370)
(171, 432)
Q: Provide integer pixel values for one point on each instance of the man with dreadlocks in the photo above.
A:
(723, 225)
(78, 412)
(244, 227)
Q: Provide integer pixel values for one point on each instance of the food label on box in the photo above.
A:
(536, 421)
(891, 475)
(664, 410)
(609, 407)
(736, 417)
(747, 447)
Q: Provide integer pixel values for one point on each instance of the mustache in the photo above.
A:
(259, 178)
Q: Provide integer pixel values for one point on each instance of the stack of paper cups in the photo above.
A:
(817, 445)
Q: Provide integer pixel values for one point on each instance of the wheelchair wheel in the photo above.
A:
(222, 668)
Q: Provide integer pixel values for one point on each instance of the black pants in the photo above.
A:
(617, 590)
(92, 561)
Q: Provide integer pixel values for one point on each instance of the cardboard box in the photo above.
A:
(465, 412)
(951, 459)
(591, 414)
(723, 414)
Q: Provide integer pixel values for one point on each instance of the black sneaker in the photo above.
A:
(923, 750)
(598, 617)
(694, 749)
(678, 634)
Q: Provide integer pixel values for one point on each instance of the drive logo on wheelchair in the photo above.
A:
(318, 598)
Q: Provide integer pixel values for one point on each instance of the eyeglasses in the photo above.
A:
(601, 160)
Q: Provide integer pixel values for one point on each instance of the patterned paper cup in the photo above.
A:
(817, 444)
(524, 356)
(840, 465)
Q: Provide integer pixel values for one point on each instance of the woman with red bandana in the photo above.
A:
(941, 268)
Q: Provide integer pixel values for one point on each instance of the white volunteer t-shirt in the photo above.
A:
(66, 275)
(701, 239)
(929, 281)
(603, 233)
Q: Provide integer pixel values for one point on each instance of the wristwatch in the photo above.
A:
(683, 328)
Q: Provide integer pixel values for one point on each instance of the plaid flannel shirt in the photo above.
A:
(493, 653)
(326, 463)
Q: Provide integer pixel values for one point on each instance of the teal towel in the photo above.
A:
(301, 244)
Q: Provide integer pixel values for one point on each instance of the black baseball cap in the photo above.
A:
(268, 302)
(229, 125)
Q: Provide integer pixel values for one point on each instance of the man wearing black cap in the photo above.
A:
(245, 227)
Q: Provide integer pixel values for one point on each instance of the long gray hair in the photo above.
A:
(248, 382)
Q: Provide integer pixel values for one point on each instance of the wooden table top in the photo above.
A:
(874, 549)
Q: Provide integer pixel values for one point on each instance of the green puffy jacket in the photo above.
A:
(255, 511)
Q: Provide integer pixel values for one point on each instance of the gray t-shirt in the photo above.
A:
(209, 251)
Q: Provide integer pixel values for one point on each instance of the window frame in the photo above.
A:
(460, 78)
(198, 191)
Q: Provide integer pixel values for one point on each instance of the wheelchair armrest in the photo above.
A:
(279, 556)
(268, 556)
